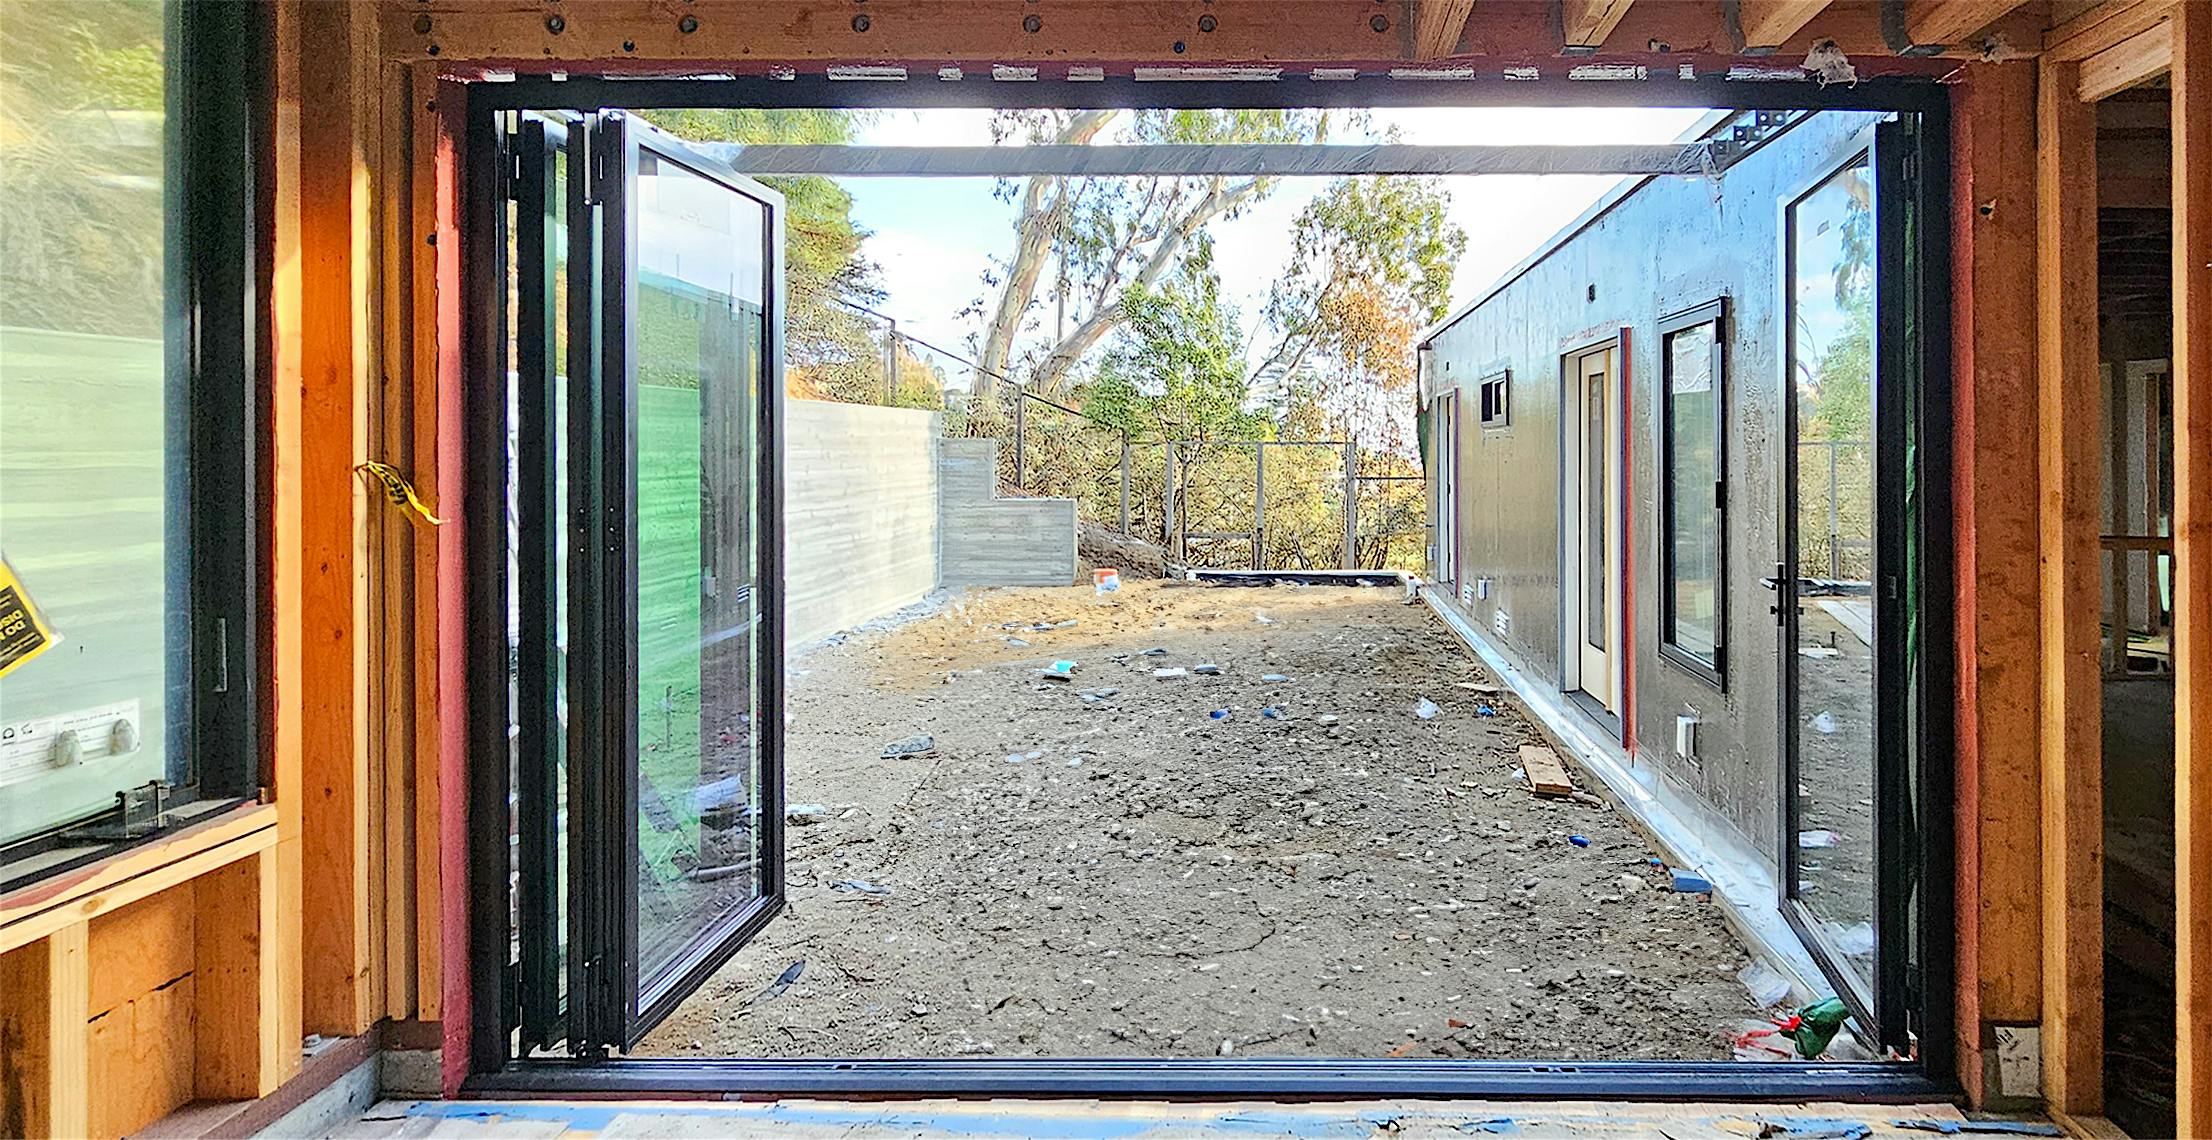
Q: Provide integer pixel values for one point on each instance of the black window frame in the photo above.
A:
(1714, 313)
(217, 188)
(1503, 379)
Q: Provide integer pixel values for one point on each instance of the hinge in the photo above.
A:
(1909, 169)
(222, 654)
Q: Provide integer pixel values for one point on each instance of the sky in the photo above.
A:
(935, 237)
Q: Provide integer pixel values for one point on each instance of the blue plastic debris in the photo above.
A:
(1272, 713)
(1485, 710)
(1690, 882)
(1219, 714)
(1579, 840)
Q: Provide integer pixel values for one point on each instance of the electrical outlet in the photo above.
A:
(1685, 737)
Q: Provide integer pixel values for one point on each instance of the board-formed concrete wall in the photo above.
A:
(990, 541)
(860, 514)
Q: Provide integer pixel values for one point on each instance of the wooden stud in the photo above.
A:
(423, 660)
(391, 671)
(2139, 57)
(155, 869)
(1437, 25)
(45, 1045)
(335, 247)
(2192, 454)
(1772, 23)
(1997, 779)
(1586, 23)
(2070, 478)
(1952, 21)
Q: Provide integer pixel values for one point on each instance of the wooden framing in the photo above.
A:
(2131, 61)
(1437, 25)
(1586, 23)
(1772, 23)
(1952, 21)
(1997, 781)
(2192, 444)
(2103, 26)
(2071, 717)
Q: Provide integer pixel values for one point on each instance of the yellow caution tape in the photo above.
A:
(399, 490)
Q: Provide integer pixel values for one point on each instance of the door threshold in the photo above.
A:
(1209, 1078)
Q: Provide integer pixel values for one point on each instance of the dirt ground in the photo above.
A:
(1130, 874)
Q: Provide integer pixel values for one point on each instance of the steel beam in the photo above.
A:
(1183, 160)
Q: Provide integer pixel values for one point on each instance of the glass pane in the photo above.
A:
(1693, 450)
(1593, 509)
(91, 522)
(1832, 369)
(698, 328)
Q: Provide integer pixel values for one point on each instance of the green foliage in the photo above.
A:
(1176, 370)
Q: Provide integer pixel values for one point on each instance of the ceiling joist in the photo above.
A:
(1437, 26)
(1771, 23)
(1932, 22)
(1587, 23)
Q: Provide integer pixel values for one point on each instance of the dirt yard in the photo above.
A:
(1126, 865)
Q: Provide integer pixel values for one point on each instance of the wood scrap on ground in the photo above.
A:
(1546, 775)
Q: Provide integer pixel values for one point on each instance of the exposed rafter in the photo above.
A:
(1771, 23)
(1586, 23)
(1437, 25)
(1931, 22)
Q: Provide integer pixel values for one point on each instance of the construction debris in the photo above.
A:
(1547, 776)
(915, 745)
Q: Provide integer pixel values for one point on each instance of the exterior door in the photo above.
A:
(643, 489)
(1597, 523)
(1446, 449)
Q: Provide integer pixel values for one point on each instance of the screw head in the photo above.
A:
(1379, 22)
(688, 25)
(1032, 22)
(555, 25)
(1207, 23)
(861, 22)
(1178, 47)
(422, 25)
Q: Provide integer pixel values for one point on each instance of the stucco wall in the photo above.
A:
(860, 508)
(1673, 244)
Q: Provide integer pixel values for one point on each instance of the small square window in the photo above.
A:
(1496, 401)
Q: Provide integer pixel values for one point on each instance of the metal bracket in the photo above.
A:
(1747, 133)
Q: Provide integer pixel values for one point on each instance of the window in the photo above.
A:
(1497, 400)
(127, 367)
(1693, 528)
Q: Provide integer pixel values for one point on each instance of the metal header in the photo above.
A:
(1195, 159)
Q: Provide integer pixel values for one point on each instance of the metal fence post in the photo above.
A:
(1167, 506)
(1125, 484)
(1351, 505)
(1021, 469)
(891, 363)
(1259, 505)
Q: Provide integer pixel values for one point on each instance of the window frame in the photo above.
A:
(1503, 378)
(1714, 313)
(218, 228)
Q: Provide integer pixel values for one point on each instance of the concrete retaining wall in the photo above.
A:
(990, 541)
(860, 513)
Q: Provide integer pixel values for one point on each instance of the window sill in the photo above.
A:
(35, 911)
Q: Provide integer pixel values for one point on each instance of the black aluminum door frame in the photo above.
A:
(1903, 528)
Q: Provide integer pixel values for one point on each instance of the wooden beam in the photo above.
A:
(2137, 58)
(45, 987)
(242, 1047)
(2192, 454)
(2072, 692)
(1952, 21)
(1437, 25)
(1997, 781)
(1771, 23)
(1586, 23)
(2103, 26)
(336, 101)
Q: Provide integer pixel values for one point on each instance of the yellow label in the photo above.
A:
(23, 633)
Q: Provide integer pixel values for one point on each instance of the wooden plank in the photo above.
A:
(1437, 25)
(241, 1046)
(33, 922)
(424, 655)
(1952, 21)
(2103, 26)
(139, 1059)
(44, 1086)
(391, 675)
(2069, 478)
(334, 225)
(1771, 23)
(1996, 779)
(2192, 452)
(1586, 23)
(109, 873)
(1546, 775)
(139, 948)
(2139, 57)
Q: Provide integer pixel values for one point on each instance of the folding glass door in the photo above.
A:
(638, 293)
